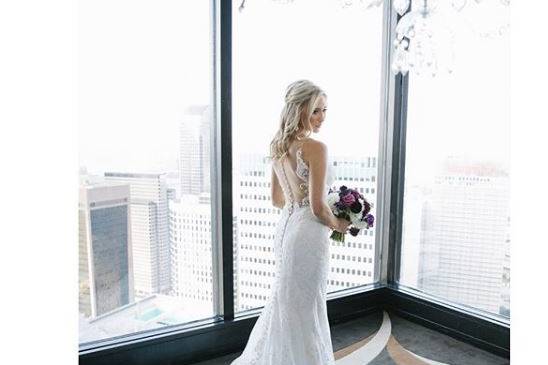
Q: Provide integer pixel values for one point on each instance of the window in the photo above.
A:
(144, 105)
(273, 45)
(456, 220)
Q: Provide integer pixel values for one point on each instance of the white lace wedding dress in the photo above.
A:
(293, 328)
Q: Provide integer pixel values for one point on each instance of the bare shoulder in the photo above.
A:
(314, 145)
(314, 150)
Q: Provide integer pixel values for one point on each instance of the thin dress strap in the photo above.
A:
(287, 188)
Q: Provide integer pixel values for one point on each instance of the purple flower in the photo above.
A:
(354, 231)
(366, 208)
(370, 220)
(348, 199)
(356, 207)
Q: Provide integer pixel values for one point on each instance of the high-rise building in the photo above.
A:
(149, 230)
(257, 218)
(171, 194)
(465, 232)
(173, 184)
(191, 251)
(192, 260)
(194, 150)
(105, 254)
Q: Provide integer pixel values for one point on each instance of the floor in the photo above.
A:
(386, 339)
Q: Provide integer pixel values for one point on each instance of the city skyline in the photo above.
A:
(352, 264)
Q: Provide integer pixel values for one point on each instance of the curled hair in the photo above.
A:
(301, 98)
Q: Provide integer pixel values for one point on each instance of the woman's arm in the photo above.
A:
(276, 192)
(316, 153)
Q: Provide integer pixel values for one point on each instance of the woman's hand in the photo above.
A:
(342, 225)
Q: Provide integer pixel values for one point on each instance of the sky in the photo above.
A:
(141, 63)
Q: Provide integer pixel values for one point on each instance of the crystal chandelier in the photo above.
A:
(424, 40)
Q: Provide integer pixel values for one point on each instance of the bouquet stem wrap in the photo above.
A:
(337, 236)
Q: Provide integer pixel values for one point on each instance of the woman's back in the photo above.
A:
(293, 172)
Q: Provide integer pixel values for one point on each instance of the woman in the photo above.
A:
(293, 328)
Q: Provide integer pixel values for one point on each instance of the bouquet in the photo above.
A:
(351, 205)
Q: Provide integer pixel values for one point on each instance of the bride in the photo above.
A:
(293, 328)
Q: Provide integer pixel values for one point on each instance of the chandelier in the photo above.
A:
(424, 40)
(424, 37)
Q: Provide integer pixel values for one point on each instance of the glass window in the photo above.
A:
(339, 49)
(144, 86)
(456, 222)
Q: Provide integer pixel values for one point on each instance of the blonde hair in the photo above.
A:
(301, 98)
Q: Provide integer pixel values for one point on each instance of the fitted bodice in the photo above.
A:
(294, 178)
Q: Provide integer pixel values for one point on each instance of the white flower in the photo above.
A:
(361, 224)
(332, 198)
(354, 218)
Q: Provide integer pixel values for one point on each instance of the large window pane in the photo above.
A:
(456, 224)
(144, 84)
(340, 49)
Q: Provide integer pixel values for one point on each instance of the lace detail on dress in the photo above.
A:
(302, 172)
(302, 167)
(291, 203)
